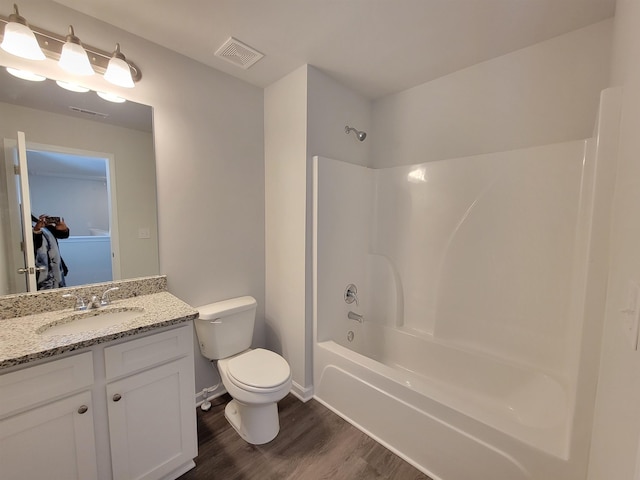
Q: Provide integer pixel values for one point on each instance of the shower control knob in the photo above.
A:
(350, 294)
(117, 397)
(83, 409)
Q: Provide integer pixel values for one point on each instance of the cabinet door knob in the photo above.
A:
(117, 397)
(83, 409)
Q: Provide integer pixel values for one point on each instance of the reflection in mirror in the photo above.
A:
(83, 236)
(89, 161)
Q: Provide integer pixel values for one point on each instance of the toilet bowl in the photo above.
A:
(256, 379)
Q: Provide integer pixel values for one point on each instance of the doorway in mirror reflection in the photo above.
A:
(76, 187)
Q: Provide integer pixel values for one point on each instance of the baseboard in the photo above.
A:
(178, 472)
(303, 394)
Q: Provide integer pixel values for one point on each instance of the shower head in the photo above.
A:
(361, 135)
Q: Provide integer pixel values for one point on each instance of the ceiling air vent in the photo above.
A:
(238, 53)
(90, 113)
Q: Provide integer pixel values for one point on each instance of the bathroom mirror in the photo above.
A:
(90, 161)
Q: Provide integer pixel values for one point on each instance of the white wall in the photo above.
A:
(208, 131)
(285, 121)
(539, 95)
(209, 158)
(617, 422)
(305, 115)
(331, 107)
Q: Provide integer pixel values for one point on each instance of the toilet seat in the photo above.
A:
(258, 370)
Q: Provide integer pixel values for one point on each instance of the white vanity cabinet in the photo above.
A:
(131, 401)
(152, 412)
(46, 421)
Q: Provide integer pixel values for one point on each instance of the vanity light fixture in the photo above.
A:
(74, 58)
(19, 39)
(85, 59)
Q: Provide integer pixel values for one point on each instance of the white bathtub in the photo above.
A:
(482, 283)
(515, 400)
(456, 415)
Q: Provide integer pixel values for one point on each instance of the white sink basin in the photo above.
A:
(90, 321)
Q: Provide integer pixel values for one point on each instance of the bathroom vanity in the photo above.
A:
(117, 402)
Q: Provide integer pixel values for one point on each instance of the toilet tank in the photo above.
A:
(226, 328)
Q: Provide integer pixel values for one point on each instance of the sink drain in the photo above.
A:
(350, 336)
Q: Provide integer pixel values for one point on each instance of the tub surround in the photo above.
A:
(493, 378)
(22, 315)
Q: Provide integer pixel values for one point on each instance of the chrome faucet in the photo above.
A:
(105, 296)
(80, 302)
(93, 303)
(354, 316)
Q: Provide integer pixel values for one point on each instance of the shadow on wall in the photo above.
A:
(273, 337)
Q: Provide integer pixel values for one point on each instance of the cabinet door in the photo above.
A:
(54, 441)
(152, 422)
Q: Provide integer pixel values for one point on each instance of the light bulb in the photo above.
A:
(74, 58)
(118, 71)
(19, 39)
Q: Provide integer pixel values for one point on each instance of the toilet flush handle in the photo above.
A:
(216, 321)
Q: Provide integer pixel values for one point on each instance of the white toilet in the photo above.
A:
(256, 379)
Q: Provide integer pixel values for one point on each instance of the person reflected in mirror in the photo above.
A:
(50, 267)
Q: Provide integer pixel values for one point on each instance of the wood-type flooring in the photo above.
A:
(313, 444)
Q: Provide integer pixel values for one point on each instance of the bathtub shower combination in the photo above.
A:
(449, 305)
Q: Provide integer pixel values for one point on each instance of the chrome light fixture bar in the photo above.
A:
(53, 45)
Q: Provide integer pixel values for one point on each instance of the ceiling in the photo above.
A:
(64, 165)
(376, 47)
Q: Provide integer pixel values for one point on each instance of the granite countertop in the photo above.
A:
(21, 342)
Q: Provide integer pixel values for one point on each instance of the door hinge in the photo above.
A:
(16, 169)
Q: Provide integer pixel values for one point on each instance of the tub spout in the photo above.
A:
(356, 317)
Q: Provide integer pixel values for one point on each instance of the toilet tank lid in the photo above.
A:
(215, 310)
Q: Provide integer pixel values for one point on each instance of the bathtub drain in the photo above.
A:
(350, 336)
